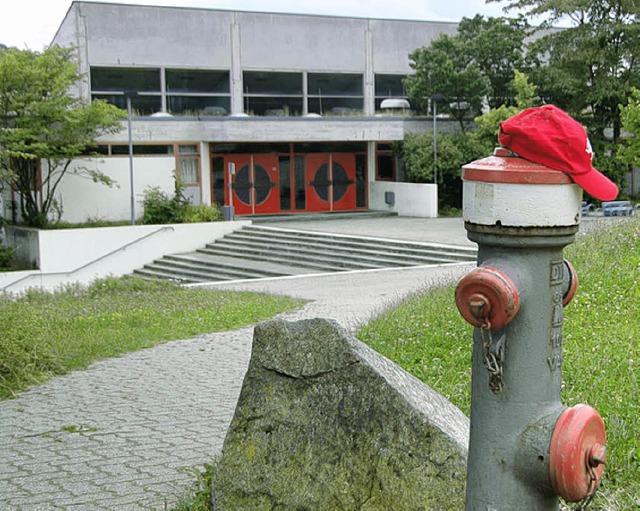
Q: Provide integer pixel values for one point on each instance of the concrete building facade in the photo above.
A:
(270, 113)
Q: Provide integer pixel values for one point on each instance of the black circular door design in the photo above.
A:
(341, 182)
(262, 184)
(321, 182)
(243, 184)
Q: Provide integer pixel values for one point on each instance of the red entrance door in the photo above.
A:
(330, 182)
(254, 183)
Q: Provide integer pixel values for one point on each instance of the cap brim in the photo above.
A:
(597, 184)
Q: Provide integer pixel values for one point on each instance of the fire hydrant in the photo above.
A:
(526, 448)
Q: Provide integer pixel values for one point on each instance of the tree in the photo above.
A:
(43, 127)
(629, 153)
(485, 135)
(454, 150)
(444, 69)
(478, 62)
(590, 68)
(496, 45)
(592, 65)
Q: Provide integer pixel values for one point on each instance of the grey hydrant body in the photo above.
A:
(508, 461)
(525, 448)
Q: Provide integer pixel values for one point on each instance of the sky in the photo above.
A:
(32, 24)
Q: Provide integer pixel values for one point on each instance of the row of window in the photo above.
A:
(208, 92)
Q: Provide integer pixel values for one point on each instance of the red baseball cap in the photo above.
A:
(550, 137)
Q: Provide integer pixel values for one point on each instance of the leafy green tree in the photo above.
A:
(485, 136)
(592, 65)
(478, 63)
(445, 70)
(454, 150)
(496, 46)
(629, 153)
(44, 127)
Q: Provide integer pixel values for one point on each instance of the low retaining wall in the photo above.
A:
(410, 199)
(82, 255)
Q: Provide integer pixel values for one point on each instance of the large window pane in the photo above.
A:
(140, 105)
(198, 105)
(273, 106)
(123, 78)
(217, 180)
(390, 86)
(300, 183)
(284, 177)
(259, 82)
(335, 84)
(336, 106)
(361, 181)
(189, 171)
(191, 80)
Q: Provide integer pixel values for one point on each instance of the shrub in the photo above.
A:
(6, 256)
(160, 208)
(201, 213)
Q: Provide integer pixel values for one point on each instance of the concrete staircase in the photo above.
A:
(258, 252)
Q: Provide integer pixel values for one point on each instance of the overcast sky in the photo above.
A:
(33, 23)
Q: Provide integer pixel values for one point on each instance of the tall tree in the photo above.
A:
(630, 115)
(444, 73)
(43, 127)
(485, 135)
(591, 66)
(496, 45)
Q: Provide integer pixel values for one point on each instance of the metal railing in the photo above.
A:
(69, 273)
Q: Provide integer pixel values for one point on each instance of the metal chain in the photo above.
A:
(493, 357)
(593, 487)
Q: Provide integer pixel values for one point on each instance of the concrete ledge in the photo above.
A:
(82, 255)
(411, 199)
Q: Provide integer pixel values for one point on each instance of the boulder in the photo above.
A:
(324, 422)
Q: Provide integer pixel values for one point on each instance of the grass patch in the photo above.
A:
(49, 334)
(198, 497)
(427, 336)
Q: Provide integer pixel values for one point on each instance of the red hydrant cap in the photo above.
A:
(550, 137)
(487, 297)
(577, 453)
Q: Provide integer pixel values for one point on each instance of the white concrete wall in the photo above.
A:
(135, 35)
(82, 255)
(298, 42)
(393, 40)
(411, 199)
(83, 199)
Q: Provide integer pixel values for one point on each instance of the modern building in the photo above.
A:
(270, 113)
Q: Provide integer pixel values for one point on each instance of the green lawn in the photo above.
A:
(426, 335)
(48, 334)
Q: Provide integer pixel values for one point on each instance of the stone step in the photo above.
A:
(356, 242)
(261, 252)
(304, 259)
(320, 248)
(149, 273)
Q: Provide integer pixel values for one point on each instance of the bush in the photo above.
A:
(454, 150)
(201, 213)
(161, 208)
(6, 256)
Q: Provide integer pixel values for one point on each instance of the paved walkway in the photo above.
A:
(129, 433)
